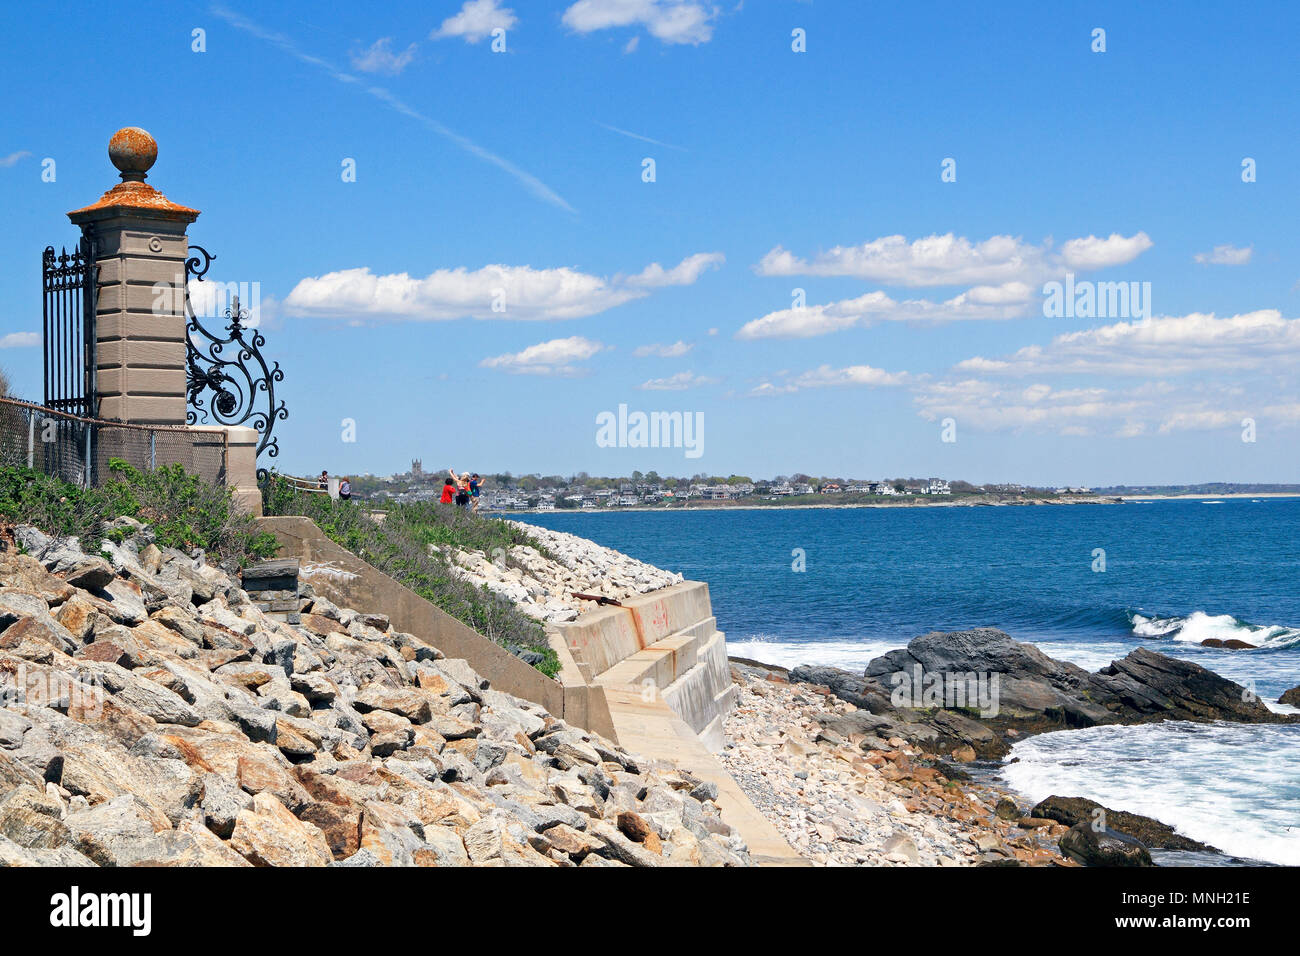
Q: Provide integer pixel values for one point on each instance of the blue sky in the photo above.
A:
(516, 177)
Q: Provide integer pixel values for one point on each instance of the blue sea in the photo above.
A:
(1086, 583)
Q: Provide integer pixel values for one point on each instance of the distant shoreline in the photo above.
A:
(1234, 494)
(921, 503)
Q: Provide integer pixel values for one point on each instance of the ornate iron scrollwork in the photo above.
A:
(241, 384)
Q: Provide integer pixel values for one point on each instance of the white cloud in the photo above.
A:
(13, 158)
(675, 350)
(555, 357)
(677, 383)
(686, 272)
(984, 302)
(492, 292)
(380, 58)
(476, 20)
(20, 340)
(1093, 253)
(1225, 255)
(1171, 345)
(670, 21)
(825, 376)
(955, 260)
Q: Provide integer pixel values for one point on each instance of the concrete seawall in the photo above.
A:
(664, 644)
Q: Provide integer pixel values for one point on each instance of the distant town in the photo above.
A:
(583, 492)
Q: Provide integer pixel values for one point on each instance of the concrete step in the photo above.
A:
(662, 662)
(604, 637)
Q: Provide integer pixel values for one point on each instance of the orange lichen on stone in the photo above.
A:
(137, 195)
(133, 151)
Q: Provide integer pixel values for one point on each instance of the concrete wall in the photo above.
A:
(666, 640)
(340, 576)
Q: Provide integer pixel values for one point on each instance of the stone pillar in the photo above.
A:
(140, 248)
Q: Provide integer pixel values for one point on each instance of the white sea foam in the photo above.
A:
(1200, 626)
(1233, 786)
(847, 655)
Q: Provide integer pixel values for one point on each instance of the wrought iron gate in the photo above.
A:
(68, 283)
(235, 387)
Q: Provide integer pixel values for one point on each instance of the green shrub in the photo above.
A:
(184, 510)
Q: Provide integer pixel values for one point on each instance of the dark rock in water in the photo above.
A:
(1291, 697)
(1103, 847)
(980, 688)
(1006, 809)
(1072, 811)
(1146, 685)
(1231, 643)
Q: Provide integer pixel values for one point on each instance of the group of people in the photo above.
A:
(461, 490)
(345, 486)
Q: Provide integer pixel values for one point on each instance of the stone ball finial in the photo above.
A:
(133, 151)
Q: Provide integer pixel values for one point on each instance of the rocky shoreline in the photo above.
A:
(906, 697)
(858, 800)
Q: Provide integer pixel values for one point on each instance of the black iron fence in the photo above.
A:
(68, 295)
(78, 449)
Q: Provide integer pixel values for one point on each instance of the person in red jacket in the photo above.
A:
(448, 492)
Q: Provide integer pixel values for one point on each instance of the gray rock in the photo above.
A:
(221, 803)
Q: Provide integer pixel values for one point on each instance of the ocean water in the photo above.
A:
(1086, 583)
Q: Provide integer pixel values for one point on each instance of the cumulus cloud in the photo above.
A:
(675, 350)
(476, 20)
(20, 340)
(670, 21)
(826, 376)
(1093, 253)
(956, 260)
(380, 58)
(677, 383)
(492, 292)
(686, 272)
(1003, 273)
(983, 302)
(555, 357)
(1225, 255)
(1195, 372)
(1169, 345)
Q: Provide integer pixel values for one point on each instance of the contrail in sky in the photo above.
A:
(644, 139)
(533, 184)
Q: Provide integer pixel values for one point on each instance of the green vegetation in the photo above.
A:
(408, 544)
(185, 511)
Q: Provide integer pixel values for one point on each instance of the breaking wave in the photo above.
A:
(1199, 626)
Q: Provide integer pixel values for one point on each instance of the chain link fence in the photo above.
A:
(77, 450)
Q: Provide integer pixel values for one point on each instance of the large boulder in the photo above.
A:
(1029, 693)
(1098, 846)
(1072, 811)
